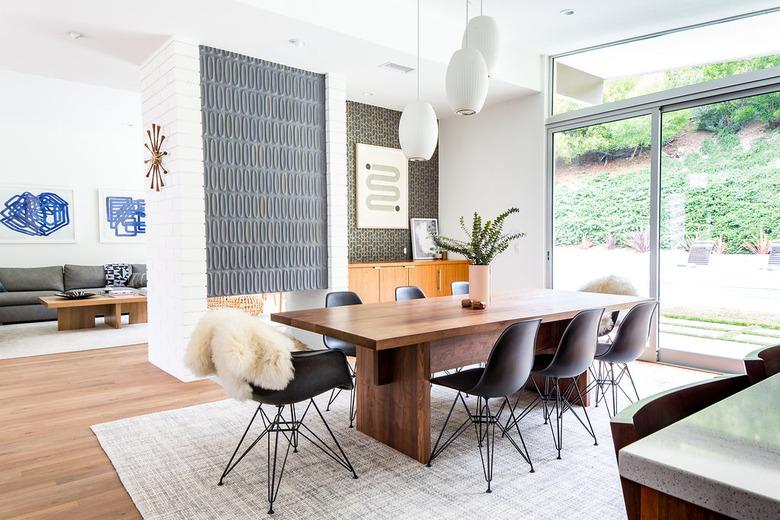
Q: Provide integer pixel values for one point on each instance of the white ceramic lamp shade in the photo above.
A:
(418, 131)
(467, 81)
(482, 34)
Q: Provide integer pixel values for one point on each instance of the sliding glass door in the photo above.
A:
(601, 204)
(720, 214)
(684, 204)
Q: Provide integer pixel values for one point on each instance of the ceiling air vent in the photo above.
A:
(396, 67)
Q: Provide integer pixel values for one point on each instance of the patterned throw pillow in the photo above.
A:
(117, 274)
(137, 280)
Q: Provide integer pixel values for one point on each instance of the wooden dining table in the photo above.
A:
(400, 344)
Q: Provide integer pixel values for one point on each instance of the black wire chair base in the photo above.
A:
(560, 403)
(485, 422)
(337, 392)
(291, 429)
(605, 380)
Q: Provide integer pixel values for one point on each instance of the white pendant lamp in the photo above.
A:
(482, 34)
(418, 130)
(467, 79)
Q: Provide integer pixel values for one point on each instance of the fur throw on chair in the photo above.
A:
(241, 349)
(609, 285)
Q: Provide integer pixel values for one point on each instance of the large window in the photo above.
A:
(670, 60)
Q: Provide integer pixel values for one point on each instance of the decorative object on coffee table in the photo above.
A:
(485, 241)
(156, 170)
(75, 295)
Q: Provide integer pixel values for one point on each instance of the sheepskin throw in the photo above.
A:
(241, 349)
(609, 285)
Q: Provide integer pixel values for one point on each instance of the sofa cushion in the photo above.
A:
(84, 276)
(138, 268)
(32, 278)
(23, 297)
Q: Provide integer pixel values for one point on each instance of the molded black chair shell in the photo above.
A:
(460, 288)
(316, 372)
(762, 363)
(408, 292)
(339, 299)
(632, 334)
(576, 349)
(507, 368)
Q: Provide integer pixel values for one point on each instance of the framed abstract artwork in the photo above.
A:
(31, 214)
(121, 216)
(381, 187)
(423, 230)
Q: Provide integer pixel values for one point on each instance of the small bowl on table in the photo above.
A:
(75, 294)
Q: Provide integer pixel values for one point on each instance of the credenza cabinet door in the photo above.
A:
(427, 278)
(365, 282)
(389, 279)
(453, 273)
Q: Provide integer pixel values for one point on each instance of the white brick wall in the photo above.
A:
(170, 92)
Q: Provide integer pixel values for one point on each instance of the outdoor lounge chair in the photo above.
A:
(700, 252)
(774, 254)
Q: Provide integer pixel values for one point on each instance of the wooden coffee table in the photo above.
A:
(80, 314)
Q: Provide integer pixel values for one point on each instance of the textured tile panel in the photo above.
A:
(265, 175)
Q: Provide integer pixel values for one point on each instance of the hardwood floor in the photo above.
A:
(51, 465)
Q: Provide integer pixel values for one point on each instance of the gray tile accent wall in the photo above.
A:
(265, 175)
(378, 126)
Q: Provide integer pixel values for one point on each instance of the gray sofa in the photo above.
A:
(24, 285)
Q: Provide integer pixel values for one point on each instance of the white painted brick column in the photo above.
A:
(170, 92)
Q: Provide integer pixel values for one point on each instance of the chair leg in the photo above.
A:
(486, 418)
(279, 425)
(229, 467)
(333, 395)
(631, 379)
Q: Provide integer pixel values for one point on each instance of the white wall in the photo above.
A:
(488, 163)
(61, 133)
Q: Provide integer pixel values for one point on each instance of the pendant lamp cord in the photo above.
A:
(418, 50)
(467, 24)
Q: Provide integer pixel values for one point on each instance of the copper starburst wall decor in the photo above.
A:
(156, 169)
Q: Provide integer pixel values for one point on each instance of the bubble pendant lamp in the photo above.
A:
(466, 82)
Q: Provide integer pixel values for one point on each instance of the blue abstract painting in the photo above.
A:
(40, 215)
(125, 216)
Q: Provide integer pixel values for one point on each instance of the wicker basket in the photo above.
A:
(253, 304)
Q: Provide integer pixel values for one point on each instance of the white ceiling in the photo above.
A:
(348, 36)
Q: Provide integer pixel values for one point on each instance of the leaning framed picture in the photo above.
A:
(36, 214)
(121, 216)
(423, 230)
(381, 187)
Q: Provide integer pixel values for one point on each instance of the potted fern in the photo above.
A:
(485, 241)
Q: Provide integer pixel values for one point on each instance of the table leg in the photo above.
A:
(113, 315)
(137, 312)
(394, 398)
(73, 318)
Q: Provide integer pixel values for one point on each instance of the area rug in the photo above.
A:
(170, 463)
(37, 339)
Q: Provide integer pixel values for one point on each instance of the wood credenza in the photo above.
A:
(376, 282)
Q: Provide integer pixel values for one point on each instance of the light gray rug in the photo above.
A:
(170, 463)
(38, 339)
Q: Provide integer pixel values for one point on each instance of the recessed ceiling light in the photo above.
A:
(75, 35)
(396, 67)
(568, 12)
(295, 42)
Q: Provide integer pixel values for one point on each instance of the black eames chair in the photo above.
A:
(460, 288)
(408, 292)
(316, 372)
(505, 372)
(573, 357)
(338, 299)
(630, 341)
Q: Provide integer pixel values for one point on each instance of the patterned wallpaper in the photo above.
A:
(264, 175)
(378, 126)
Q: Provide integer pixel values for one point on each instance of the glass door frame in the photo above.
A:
(654, 105)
